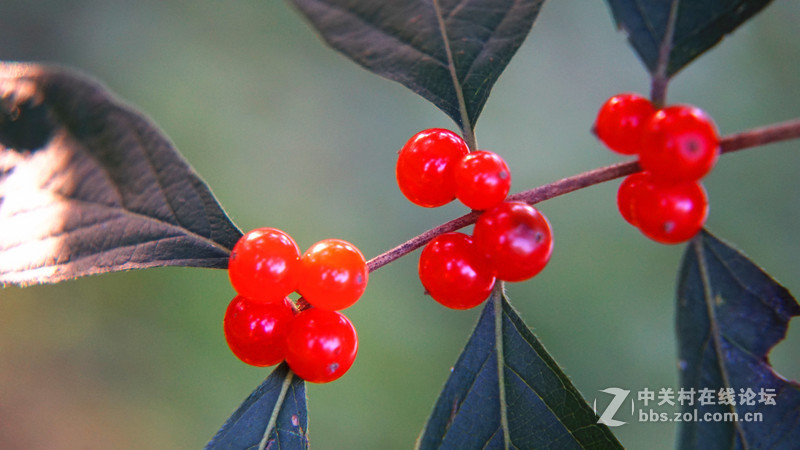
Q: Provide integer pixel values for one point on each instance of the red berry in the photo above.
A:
(321, 345)
(454, 272)
(426, 164)
(670, 214)
(333, 274)
(679, 143)
(256, 332)
(626, 193)
(482, 180)
(264, 265)
(516, 238)
(620, 122)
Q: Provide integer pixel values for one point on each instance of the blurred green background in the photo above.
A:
(290, 134)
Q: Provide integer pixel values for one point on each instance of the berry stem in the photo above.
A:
(755, 137)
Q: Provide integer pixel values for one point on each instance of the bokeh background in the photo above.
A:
(290, 134)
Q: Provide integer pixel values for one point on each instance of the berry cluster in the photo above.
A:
(435, 167)
(263, 327)
(511, 241)
(676, 147)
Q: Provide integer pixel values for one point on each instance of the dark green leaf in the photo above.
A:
(700, 25)
(425, 45)
(730, 314)
(282, 398)
(533, 405)
(87, 185)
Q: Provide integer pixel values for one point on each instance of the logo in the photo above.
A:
(692, 404)
(607, 417)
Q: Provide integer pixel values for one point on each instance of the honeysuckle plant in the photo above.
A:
(89, 185)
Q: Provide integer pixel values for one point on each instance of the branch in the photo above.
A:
(770, 134)
(733, 142)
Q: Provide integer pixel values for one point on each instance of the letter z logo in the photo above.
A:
(607, 417)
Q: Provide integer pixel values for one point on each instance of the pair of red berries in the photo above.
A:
(435, 166)
(676, 147)
(261, 324)
(511, 241)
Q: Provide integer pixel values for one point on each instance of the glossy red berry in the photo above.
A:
(264, 265)
(333, 274)
(426, 165)
(256, 332)
(516, 238)
(482, 180)
(620, 122)
(679, 143)
(670, 214)
(321, 345)
(627, 192)
(454, 271)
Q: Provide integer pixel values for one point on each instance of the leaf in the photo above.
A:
(280, 402)
(533, 404)
(700, 25)
(730, 314)
(450, 52)
(88, 185)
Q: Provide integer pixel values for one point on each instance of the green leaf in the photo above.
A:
(450, 52)
(698, 26)
(88, 185)
(532, 405)
(730, 314)
(276, 409)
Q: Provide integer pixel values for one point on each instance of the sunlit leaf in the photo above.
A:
(450, 52)
(533, 405)
(280, 401)
(730, 315)
(700, 25)
(88, 185)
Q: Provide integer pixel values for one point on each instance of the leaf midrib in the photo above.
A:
(716, 333)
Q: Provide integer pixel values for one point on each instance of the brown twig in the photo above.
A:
(756, 137)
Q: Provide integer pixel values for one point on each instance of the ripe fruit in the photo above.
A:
(454, 272)
(670, 214)
(426, 164)
(321, 345)
(626, 193)
(516, 238)
(482, 180)
(333, 274)
(264, 265)
(256, 332)
(679, 143)
(620, 122)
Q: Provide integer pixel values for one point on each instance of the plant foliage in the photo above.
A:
(730, 314)
(278, 403)
(697, 27)
(450, 52)
(530, 403)
(88, 185)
